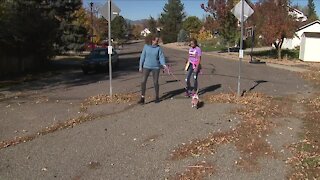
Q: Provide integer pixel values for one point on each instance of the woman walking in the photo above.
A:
(193, 67)
(151, 60)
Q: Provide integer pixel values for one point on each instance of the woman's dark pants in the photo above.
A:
(155, 75)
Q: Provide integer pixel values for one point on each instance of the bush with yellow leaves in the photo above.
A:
(204, 35)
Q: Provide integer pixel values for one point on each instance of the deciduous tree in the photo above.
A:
(211, 24)
(136, 30)
(274, 23)
(225, 20)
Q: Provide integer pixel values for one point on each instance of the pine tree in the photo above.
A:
(192, 24)
(312, 15)
(70, 35)
(118, 28)
(35, 29)
(171, 20)
(152, 25)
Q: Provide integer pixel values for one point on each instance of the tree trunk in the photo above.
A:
(279, 53)
(278, 48)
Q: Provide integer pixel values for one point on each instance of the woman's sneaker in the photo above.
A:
(157, 100)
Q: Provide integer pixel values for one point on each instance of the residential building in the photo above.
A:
(296, 40)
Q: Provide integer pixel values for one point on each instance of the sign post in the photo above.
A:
(109, 11)
(110, 48)
(242, 11)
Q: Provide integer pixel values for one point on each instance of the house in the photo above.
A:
(159, 29)
(296, 40)
(309, 48)
(145, 32)
(299, 16)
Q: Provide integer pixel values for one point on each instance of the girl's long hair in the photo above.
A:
(195, 41)
(150, 38)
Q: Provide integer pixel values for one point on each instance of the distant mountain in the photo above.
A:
(137, 22)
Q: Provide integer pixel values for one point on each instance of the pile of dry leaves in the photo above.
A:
(93, 100)
(249, 136)
(55, 127)
(313, 75)
(306, 160)
(117, 98)
(105, 99)
(197, 171)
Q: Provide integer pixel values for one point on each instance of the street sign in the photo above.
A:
(104, 11)
(109, 11)
(247, 10)
(109, 49)
(242, 11)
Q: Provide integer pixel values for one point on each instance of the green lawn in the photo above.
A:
(212, 48)
(291, 54)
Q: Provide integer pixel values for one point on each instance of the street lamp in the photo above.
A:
(91, 37)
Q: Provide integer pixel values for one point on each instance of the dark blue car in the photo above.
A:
(98, 60)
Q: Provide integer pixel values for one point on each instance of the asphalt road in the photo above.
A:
(136, 143)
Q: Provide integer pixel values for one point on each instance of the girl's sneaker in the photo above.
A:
(188, 94)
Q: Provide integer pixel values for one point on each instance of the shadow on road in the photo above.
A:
(67, 72)
(171, 94)
(209, 89)
(257, 83)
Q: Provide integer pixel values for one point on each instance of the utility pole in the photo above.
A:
(108, 11)
(110, 48)
(241, 47)
(242, 11)
(91, 36)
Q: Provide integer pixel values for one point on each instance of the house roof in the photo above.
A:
(299, 15)
(296, 10)
(310, 24)
(146, 30)
(312, 34)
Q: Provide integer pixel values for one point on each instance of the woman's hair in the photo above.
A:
(195, 41)
(150, 38)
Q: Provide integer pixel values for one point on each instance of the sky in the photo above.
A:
(143, 9)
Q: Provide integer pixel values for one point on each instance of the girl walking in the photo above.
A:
(193, 67)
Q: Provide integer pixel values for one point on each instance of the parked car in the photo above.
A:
(89, 46)
(98, 60)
